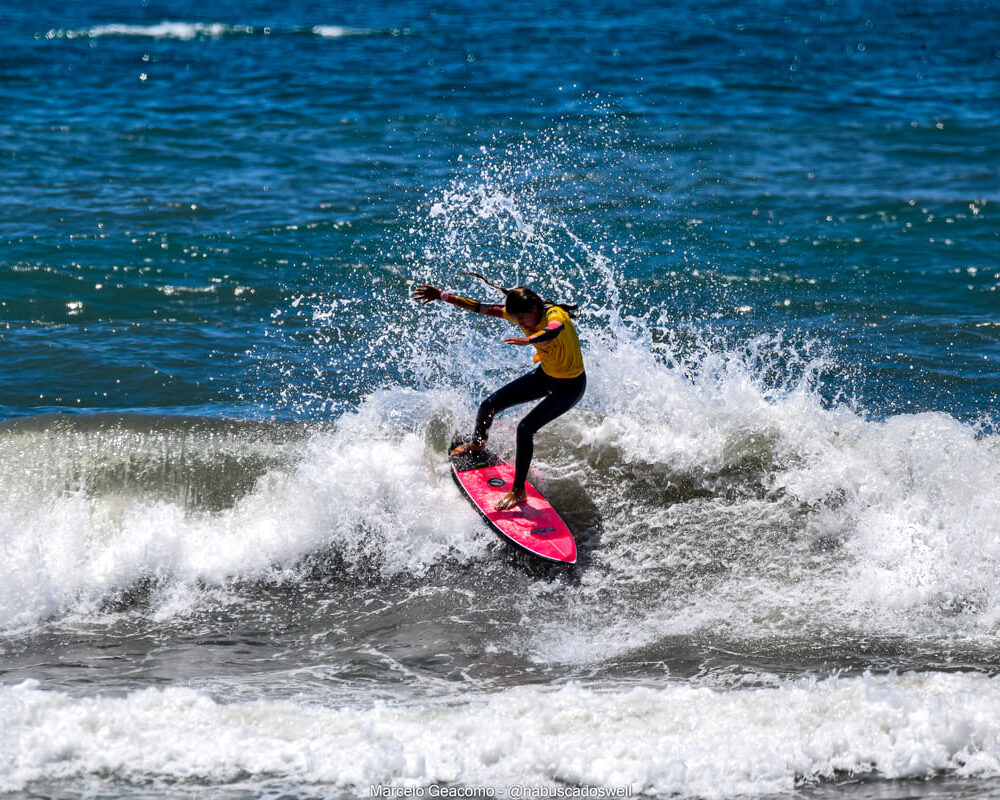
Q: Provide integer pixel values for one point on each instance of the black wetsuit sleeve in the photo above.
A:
(551, 331)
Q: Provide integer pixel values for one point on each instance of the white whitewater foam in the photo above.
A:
(914, 498)
(675, 740)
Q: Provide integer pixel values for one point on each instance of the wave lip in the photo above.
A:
(667, 741)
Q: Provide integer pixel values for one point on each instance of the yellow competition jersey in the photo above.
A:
(559, 357)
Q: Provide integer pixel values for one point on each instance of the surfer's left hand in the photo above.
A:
(520, 341)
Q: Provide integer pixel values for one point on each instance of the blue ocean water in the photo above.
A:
(232, 555)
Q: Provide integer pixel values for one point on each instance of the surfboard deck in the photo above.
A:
(534, 526)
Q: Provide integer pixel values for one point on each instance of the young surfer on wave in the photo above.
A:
(559, 381)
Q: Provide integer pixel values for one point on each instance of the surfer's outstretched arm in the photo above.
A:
(426, 293)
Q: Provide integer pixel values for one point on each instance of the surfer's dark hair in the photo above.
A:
(521, 300)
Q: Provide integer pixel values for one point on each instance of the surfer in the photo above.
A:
(559, 380)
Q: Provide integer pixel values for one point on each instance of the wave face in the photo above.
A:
(97, 506)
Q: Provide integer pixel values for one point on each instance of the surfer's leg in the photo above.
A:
(521, 390)
(564, 393)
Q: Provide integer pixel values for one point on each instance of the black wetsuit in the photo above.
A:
(558, 396)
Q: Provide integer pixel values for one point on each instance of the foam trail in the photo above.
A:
(674, 740)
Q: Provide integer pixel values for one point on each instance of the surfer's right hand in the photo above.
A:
(426, 293)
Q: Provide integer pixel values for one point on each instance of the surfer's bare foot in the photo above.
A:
(513, 498)
(469, 447)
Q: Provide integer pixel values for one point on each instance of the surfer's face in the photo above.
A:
(528, 319)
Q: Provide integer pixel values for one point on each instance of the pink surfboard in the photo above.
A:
(534, 525)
